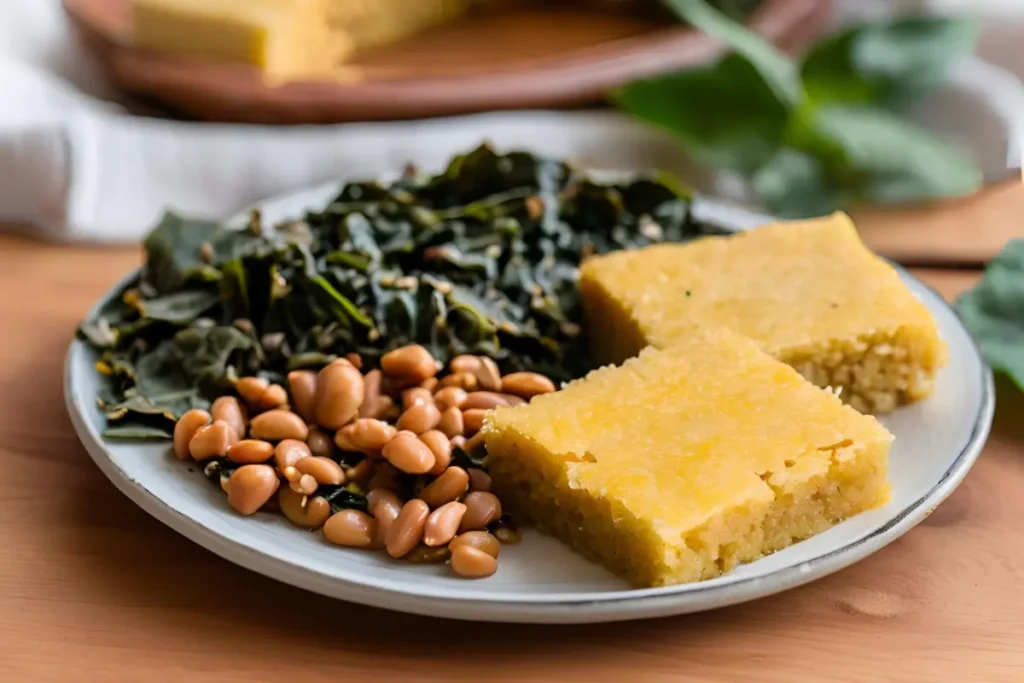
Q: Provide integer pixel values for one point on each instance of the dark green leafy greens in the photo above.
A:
(482, 258)
(994, 312)
(819, 135)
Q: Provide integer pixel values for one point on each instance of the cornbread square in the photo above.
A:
(809, 292)
(286, 39)
(684, 462)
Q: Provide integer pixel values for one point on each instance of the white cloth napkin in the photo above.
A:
(76, 167)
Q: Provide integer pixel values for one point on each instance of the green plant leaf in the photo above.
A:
(203, 353)
(779, 72)
(994, 312)
(889, 160)
(725, 114)
(179, 308)
(794, 184)
(888, 63)
(173, 250)
(137, 432)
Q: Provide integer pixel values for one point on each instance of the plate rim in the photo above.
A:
(611, 605)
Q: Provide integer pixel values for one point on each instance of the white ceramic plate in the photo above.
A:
(540, 580)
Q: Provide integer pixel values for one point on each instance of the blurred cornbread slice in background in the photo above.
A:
(808, 292)
(283, 38)
(683, 462)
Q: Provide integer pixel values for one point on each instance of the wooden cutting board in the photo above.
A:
(517, 58)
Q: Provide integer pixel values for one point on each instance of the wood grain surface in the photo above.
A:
(522, 57)
(966, 231)
(93, 589)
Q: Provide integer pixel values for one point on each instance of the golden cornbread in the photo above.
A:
(283, 38)
(683, 462)
(808, 292)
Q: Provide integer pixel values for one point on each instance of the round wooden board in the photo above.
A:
(516, 59)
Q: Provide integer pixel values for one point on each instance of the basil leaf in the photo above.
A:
(889, 63)
(780, 74)
(889, 160)
(725, 114)
(994, 312)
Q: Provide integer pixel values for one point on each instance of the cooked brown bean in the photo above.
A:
(451, 423)
(324, 470)
(481, 540)
(488, 376)
(185, 428)
(351, 528)
(406, 531)
(273, 397)
(423, 554)
(407, 453)
(249, 451)
(212, 441)
(361, 472)
(526, 384)
(250, 486)
(391, 412)
(465, 363)
(441, 447)
(367, 435)
(446, 488)
(429, 384)
(371, 394)
(339, 394)
(386, 498)
(411, 363)
(420, 418)
(442, 524)
(355, 359)
(473, 420)
(508, 535)
(278, 425)
(474, 443)
(290, 451)
(305, 484)
(458, 441)
(514, 400)
(343, 443)
(303, 511)
(251, 389)
(471, 563)
(385, 507)
(482, 508)
(302, 384)
(415, 396)
(232, 411)
(486, 400)
(478, 479)
(385, 476)
(450, 397)
(459, 380)
(320, 444)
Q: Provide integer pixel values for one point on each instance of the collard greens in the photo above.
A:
(481, 258)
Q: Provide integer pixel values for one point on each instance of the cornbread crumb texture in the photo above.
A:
(809, 292)
(684, 462)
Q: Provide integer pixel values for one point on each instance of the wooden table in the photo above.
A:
(93, 589)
